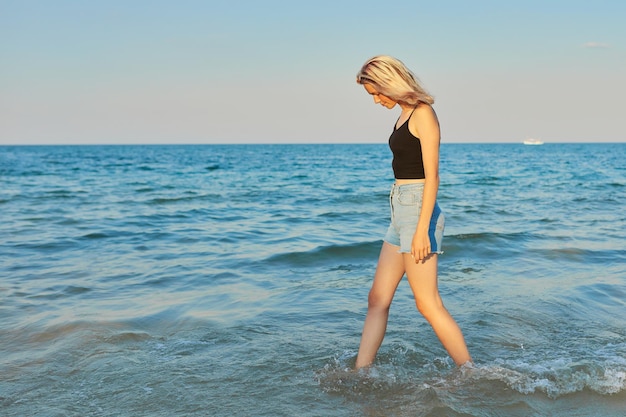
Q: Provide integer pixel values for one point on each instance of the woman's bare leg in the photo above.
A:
(422, 277)
(389, 273)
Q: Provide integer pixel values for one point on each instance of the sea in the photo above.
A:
(232, 280)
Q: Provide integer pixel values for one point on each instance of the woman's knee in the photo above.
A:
(430, 307)
(377, 300)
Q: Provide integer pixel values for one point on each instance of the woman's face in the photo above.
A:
(379, 98)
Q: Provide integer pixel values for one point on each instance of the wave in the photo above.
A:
(49, 246)
(328, 254)
(211, 197)
(479, 245)
(59, 292)
(585, 255)
(492, 244)
(76, 335)
(494, 384)
(487, 244)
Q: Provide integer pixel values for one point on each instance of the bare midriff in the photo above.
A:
(403, 182)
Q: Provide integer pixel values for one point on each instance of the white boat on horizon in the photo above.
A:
(533, 142)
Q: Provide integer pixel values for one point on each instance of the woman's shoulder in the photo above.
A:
(424, 109)
(423, 113)
(423, 120)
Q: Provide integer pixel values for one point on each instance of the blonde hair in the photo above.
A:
(391, 78)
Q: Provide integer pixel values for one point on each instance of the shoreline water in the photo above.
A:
(143, 280)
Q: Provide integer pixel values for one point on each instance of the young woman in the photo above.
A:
(413, 240)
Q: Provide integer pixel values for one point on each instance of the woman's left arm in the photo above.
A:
(424, 125)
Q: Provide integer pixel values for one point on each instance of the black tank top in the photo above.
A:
(407, 154)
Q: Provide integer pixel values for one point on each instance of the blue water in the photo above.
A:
(232, 281)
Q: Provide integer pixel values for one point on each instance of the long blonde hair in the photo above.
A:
(391, 78)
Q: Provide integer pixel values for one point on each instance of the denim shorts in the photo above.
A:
(406, 203)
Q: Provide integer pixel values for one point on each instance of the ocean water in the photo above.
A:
(232, 280)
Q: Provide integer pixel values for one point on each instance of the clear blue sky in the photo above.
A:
(229, 71)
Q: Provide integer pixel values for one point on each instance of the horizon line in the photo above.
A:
(291, 143)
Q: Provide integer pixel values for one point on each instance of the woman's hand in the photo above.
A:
(420, 247)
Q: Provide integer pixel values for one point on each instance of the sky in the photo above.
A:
(272, 71)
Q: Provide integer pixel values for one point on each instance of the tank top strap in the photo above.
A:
(396, 127)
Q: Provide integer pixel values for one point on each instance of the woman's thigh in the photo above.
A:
(422, 277)
(389, 273)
